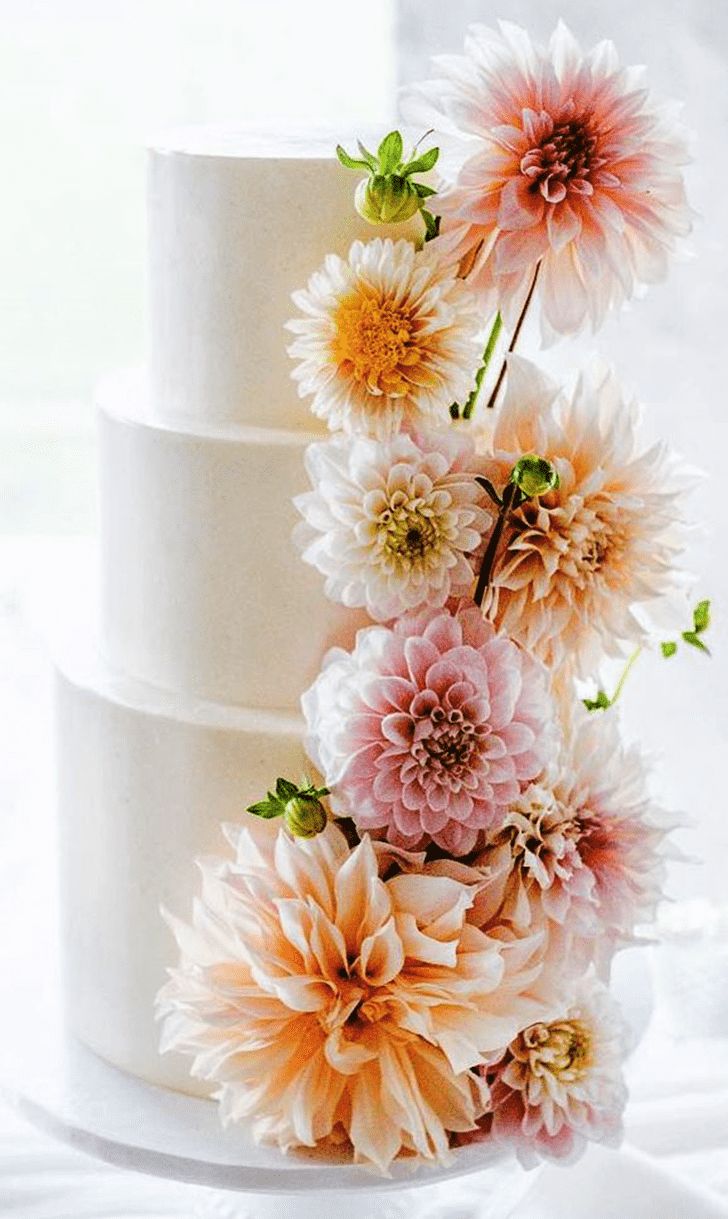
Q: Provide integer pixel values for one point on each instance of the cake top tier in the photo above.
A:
(237, 221)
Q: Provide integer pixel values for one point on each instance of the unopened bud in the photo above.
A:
(386, 199)
(534, 476)
(305, 816)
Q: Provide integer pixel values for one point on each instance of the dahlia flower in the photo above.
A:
(392, 525)
(565, 164)
(559, 1083)
(329, 1005)
(590, 568)
(430, 729)
(388, 337)
(581, 847)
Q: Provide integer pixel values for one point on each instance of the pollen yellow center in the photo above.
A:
(375, 343)
(564, 1049)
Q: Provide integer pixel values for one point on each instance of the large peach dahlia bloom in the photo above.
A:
(590, 568)
(329, 1005)
(388, 338)
(567, 162)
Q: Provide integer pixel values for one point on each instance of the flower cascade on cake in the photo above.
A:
(403, 953)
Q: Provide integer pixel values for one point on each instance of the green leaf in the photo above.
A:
(695, 641)
(668, 648)
(369, 157)
(701, 617)
(422, 164)
(350, 162)
(422, 189)
(285, 790)
(601, 703)
(266, 808)
(390, 152)
(432, 224)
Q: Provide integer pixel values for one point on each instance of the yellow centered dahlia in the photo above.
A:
(561, 161)
(388, 338)
(559, 1083)
(589, 568)
(331, 1005)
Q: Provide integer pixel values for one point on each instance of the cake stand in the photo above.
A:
(70, 1093)
(73, 1095)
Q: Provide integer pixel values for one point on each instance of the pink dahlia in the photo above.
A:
(569, 167)
(559, 1084)
(582, 848)
(430, 729)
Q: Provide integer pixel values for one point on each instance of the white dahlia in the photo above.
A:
(388, 337)
(392, 525)
(589, 568)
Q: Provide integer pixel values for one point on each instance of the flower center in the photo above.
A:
(564, 1049)
(445, 745)
(374, 343)
(563, 160)
(407, 529)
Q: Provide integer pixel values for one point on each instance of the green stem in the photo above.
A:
(490, 347)
(625, 674)
(602, 702)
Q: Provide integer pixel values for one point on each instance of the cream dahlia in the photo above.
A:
(589, 568)
(566, 164)
(329, 1005)
(582, 847)
(429, 730)
(392, 525)
(559, 1083)
(389, 337)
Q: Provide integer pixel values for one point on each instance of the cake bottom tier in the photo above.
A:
(145, 779)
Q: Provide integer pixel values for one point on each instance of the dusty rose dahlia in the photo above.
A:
(329, 1005)
(559, 1083)
(430, 729)
(589, 569)
(583, 846)
(389, 337)
(393, 525)
(565, 161)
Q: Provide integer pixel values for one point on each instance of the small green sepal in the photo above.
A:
(668, 648)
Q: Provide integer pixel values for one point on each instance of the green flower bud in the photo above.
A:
(386, 199)
(534, 476)
(305, 816)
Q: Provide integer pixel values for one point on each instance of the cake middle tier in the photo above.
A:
(203, 591)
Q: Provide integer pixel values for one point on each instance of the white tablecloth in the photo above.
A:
(673, 1165)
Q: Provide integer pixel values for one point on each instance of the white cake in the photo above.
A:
(210, 625)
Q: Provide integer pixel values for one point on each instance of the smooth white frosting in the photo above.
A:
(209, 619)
(233, 230)
(145, 780)
(202, 589)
